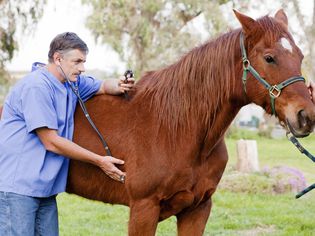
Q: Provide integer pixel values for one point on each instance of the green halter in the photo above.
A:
(274, 90)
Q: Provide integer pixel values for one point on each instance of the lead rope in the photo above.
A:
(297, 144)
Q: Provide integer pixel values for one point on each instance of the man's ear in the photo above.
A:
(57, 58)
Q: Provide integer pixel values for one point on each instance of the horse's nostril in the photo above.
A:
(302, 118)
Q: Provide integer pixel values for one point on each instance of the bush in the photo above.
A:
(287, 179)
(277, 180)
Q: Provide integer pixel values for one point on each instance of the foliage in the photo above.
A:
(286, 179)
(14, 13)
(152, 33)
(276, 180)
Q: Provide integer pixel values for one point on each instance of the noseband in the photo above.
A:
(274, 90)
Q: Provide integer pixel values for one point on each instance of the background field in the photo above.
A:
(232, 213)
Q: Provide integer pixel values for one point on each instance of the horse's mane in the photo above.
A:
(198, 84)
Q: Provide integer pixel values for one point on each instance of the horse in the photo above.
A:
(170, 131)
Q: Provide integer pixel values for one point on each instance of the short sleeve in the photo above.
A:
(38, 109)
(88, 86)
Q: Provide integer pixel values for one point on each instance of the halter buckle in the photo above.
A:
(246, 64)
(274, 91)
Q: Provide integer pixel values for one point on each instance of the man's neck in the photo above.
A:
(53, 69)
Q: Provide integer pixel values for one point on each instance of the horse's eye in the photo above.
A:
(269, 59)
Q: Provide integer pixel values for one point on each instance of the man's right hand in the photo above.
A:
(107, 164)
(59, 145)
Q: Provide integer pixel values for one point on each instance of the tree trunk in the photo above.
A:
(247, 156)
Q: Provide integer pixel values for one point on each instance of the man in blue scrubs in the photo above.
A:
(36, 130)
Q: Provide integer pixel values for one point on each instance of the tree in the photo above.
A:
(308, 32)
(148, 34)
(14, 13)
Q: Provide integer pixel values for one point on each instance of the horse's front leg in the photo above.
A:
(193, 222)
(144, 216)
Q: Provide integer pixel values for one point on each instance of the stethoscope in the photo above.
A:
(75, 90)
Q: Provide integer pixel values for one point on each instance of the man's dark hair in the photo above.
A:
(65, 42)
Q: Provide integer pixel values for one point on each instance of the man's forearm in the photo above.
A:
(73, 151)
(62, 146)
(109, 86)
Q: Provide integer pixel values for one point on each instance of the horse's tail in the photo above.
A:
(1, 107)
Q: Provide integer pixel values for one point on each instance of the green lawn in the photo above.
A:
(232, 213)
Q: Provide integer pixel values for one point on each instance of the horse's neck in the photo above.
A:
(210, 112)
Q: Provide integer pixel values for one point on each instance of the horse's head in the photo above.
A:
(272, 78)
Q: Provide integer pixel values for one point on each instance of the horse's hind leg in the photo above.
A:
(144, 216)
(193, 222)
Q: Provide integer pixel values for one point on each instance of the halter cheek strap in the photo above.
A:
(274, 90)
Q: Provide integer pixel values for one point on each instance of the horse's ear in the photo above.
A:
(248, 24)
(282, 17)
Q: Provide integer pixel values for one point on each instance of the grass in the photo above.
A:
(232, 213)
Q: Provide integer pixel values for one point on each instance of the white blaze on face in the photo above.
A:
(286, 44)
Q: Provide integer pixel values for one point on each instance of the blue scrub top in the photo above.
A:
(38, 100)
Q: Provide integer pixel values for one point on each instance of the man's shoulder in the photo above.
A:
(35, 79)
(32, 81)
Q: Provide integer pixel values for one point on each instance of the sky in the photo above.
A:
(60, 16)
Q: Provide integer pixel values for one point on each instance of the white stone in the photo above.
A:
(247, 156)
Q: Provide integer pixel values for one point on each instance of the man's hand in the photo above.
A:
(59, 145)
(125, 85)
(311, 88)
(116, 86)
(107, 164)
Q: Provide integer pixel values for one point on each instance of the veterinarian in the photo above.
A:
(36, 130)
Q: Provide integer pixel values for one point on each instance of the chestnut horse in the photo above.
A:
(171, 131)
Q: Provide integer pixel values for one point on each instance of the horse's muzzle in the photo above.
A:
(303, 126)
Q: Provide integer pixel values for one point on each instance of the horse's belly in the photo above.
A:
(90, 182)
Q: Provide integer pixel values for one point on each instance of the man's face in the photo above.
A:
(72, 63)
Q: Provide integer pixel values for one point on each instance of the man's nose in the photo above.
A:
(81, 68)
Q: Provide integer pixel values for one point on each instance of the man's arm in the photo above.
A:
(116, 86)
(59, 145)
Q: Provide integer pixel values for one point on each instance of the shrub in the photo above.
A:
(287, 179)
(277, 180)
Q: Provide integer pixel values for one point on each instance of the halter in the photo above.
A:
(274, 90)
